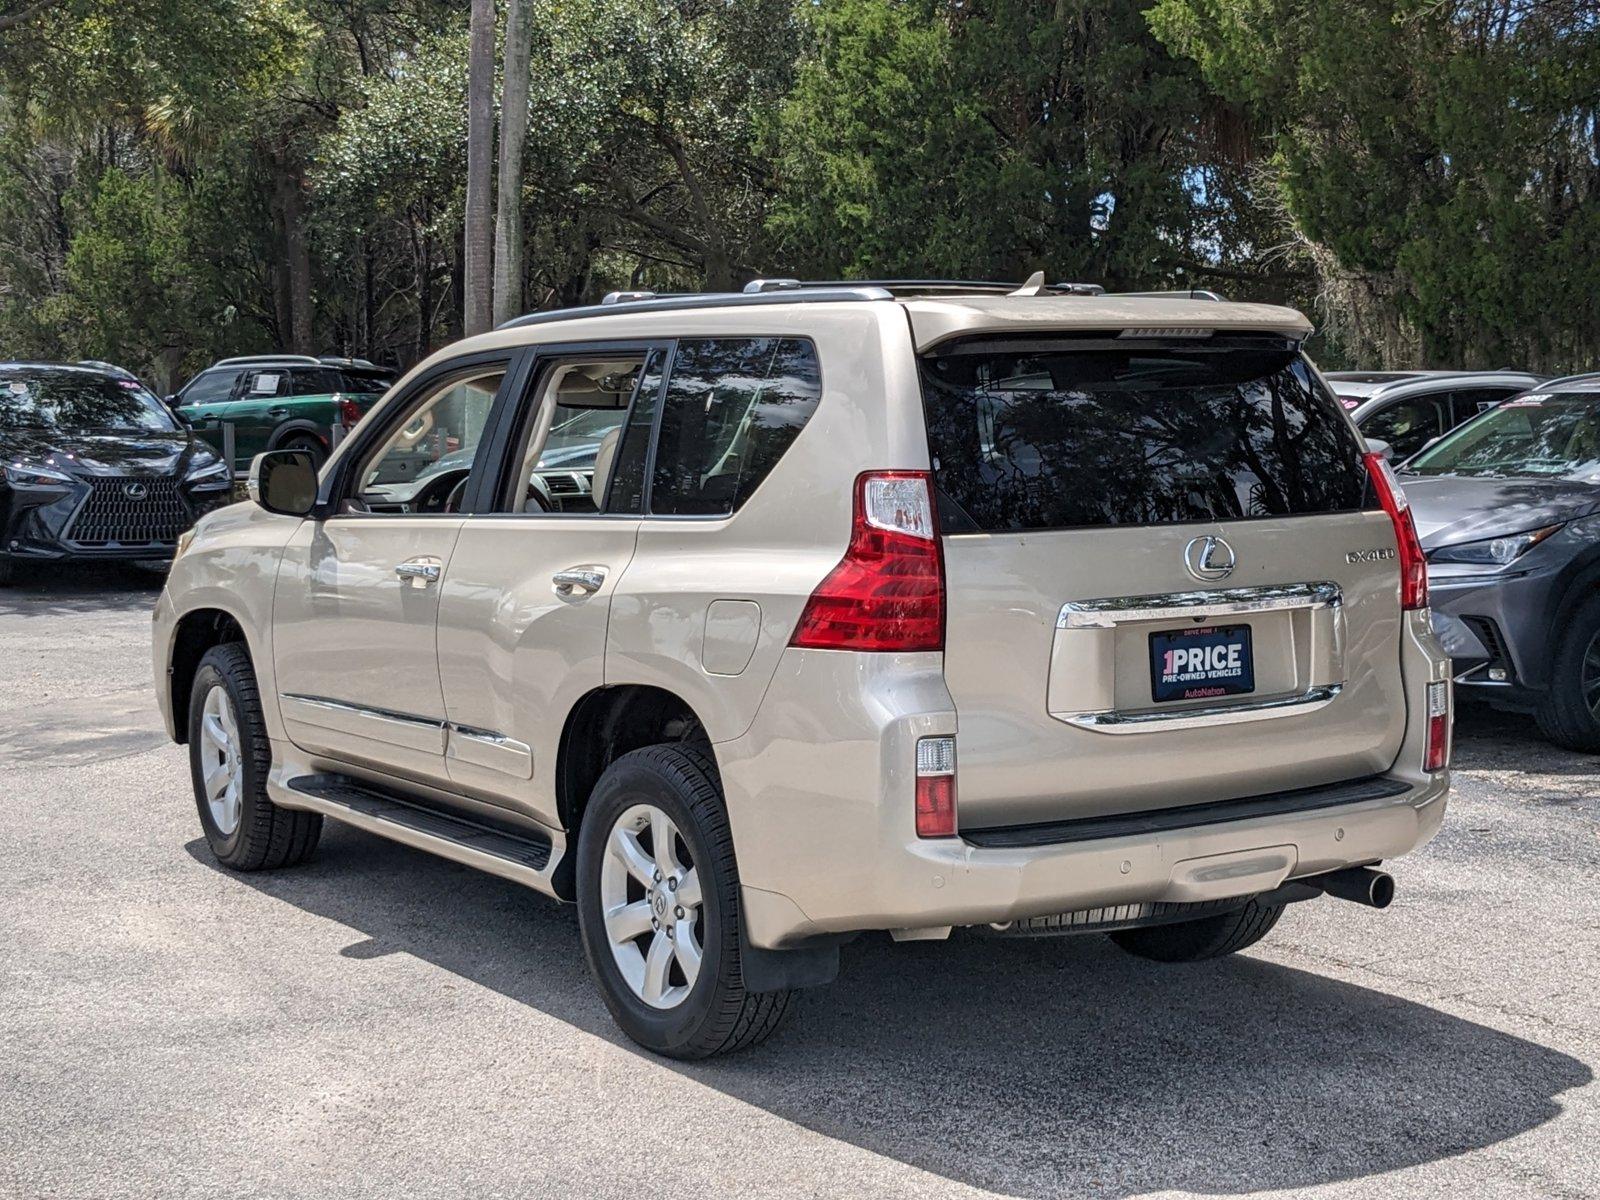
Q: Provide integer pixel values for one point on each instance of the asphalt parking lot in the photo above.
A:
(381, 1023)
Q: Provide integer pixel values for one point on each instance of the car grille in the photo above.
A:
(110, 516)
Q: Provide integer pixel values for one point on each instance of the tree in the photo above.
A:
(998, 138)
(508, 227)
(478, 253)
(1438, 162)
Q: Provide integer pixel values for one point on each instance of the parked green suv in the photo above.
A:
(289, 402)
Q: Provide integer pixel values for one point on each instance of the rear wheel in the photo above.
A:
(658, 906)
(1209, 937)
(1569, 713)
(311, 444)
(229, 757)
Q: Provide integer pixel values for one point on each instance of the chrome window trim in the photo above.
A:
(364, 710)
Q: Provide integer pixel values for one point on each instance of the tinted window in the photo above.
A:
(210, 387)
(1407, 425)
(1471, 402)
(357, 381)
(627, 473)
(52, 398)
(316, 381)
(733, 406)
(1060, 438)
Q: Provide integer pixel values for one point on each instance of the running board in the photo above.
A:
(522, 859)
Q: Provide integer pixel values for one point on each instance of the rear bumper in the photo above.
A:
(821, 851)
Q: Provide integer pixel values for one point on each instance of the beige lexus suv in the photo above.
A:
(753, 622)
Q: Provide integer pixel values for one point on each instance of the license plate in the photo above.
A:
(1197, 664)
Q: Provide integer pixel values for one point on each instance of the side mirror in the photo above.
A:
(284, 482)
(1380, 447)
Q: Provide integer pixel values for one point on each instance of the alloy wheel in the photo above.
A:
(651, 904)
(221, 768)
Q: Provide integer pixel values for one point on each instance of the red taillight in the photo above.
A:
(1413, 563)
(1437, 756)
(887, 593)
(349, 411)
(936, 787)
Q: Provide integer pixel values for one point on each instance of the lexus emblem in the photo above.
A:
(136, 491)
(1209, 558)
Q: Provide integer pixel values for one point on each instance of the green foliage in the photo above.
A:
(1438, 159)
(185, 178)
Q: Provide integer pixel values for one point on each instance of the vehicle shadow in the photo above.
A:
(1040, 1068)
(48, 590)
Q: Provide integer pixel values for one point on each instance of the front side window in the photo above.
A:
(571, 431)
(1552, 436)
(733, 406)
(210, 387)
(1057, 437)
(56, 398)
(429, 456)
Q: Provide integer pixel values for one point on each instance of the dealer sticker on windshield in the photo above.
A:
(1196, 664)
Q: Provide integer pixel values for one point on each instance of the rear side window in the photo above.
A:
(316, 381)
(732, 407)
(1059, 438)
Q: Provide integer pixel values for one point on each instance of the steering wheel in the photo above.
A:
(452, 502)
(539, 493)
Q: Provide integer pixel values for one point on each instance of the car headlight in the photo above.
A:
(210, 475)
(21, 475)
(1494, 552)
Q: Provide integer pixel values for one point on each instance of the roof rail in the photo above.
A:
(1180, 294)
(624, 303)
(918, 287)
(268, 358)
(1582, 377)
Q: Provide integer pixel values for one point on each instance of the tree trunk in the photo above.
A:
(478, 249)
(508, 267)
(289, 188)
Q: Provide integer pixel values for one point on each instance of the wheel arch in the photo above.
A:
(1577, 584)
(196, 632)
(285, 430)
(606, 723)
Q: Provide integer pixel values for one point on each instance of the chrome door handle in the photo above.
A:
(578, 579)
(420, 572)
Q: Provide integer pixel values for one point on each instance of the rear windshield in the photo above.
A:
(1055, 437)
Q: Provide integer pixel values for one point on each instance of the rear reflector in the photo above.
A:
(1437, 757)
(887, 593)
(936, 787)
(1413, 564)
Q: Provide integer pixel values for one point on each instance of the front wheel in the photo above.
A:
(229, 758)
(1569, 713)
(658, 907)
(1196, 941)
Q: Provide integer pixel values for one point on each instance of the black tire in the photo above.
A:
(1564, 715)
(719, 1015)
(310, 443)
(1196, 941)
(266, 836)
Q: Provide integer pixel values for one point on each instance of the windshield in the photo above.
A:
(575, 440)
(1548, 436)
(58, 398)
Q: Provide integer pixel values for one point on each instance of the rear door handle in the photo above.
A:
(420, 572)
(581, 579)
(277, 412)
